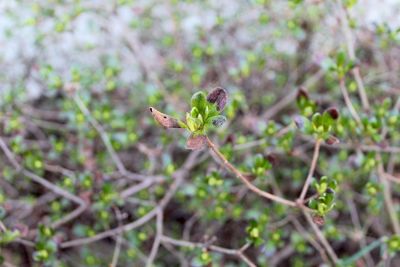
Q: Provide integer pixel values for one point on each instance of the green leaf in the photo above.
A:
(199, 101)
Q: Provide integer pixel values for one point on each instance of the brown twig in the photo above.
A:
(179, 175)
(352, 54)
(321, 237)
(157, 238)
(388, 198)
(235, 252)
(238, 174)
(348, 102)
(311, 171)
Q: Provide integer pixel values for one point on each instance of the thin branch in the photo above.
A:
(304, 233)
(227, 251)
(348, 102)
(311, 171)
(238, 174)
(392, 178)
(321, 237)
(351, 52)
(388, 199)
(157, 239)
(117, 161)
(70, 216)
(139, 187)
(118, 244)
(179, 175)
(56, 189)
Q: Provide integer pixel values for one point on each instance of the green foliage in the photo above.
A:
(281, 66)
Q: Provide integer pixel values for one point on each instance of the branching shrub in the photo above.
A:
(294, 161)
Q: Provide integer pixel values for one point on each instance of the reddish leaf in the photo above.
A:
(196, 142)
(218, 96)
(163, 119)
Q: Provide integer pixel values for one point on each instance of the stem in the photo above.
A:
(352, 55)
(249, 185)
(388, 199)
(347, 100)
(311, 171)
(321, 237)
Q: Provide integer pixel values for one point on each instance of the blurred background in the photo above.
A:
(77, 78)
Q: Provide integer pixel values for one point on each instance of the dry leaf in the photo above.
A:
(163, 119)
(196, 142)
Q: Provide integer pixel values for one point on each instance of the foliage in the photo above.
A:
(279, 143)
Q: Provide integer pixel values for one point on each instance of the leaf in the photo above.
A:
(218, 121)
(165, 120)
(218, 96)
(196, 142)
(199, 101)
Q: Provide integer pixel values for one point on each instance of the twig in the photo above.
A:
(288, 99)
(352, 55)
(357, 225)
(321, 237)
(391, 178)
(56, 189)
(118, 243)
(311, 171)
(348, 102)
(252, 187)
(157, 239)
(117, 161)
(141, 186)
(303, 232)
(388, 198)
(183, 243)
(179, 175)
(70, 216)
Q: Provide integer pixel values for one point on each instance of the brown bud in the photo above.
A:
(302, 93)
(163, 119)
(273, 159)
(218, 96)
(333, 112)
(332, 140)
(196, 142)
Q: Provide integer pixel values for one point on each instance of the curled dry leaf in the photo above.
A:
(164, 119)
(196, 142)
(318, 220)
(218, 96)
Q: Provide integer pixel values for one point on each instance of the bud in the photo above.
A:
(333, 112)
(301, 93)
(332, 140)
(218, 96)
(272, 158)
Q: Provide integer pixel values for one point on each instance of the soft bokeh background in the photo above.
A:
(120, 57)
